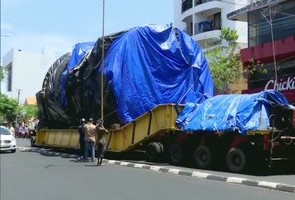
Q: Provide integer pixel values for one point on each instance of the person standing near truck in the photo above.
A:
(89, 131)
(81, 138)
(101, 141)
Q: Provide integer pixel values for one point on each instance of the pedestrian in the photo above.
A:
(101, 141)
(89, 137)
(11, 129)
(81, 138)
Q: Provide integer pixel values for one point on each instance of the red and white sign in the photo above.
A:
(282, 84)
(285, 85)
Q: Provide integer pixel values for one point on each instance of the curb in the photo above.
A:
(193, 174)
(201, 175)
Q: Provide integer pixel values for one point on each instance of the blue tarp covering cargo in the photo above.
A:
(79, 52)
(233, 112)
(143, 67)
(153, 65)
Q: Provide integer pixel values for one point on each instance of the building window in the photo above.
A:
(283, 23)
(186, 4)
(9, 77)
(217, 21)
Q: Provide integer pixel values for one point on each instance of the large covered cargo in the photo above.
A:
(143, 67)
(149, 73)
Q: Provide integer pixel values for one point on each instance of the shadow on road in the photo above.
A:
(278, 168)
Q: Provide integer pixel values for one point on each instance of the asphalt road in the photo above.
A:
(45, 175)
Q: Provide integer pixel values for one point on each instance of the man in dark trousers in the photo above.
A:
(81, 138)
(101, 141)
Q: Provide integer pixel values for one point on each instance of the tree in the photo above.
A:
(26, 113)
(224, 61)
(1, 73)
(1, 77)
(8, 109)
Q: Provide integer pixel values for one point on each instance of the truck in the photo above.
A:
(153, 89)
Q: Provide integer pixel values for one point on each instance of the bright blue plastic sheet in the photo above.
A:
(152, 65)
(79, 52)
(233, 112)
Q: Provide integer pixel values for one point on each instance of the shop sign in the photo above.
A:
(282, 84)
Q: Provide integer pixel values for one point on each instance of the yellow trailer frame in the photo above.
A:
(157, 121)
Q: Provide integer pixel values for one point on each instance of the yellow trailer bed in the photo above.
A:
(157, 121)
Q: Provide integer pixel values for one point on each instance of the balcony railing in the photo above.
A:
(205, 26)
(188, 4)
(198, 2)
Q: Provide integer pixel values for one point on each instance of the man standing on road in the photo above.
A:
(81, 138)
(101, 141)
(89, 131)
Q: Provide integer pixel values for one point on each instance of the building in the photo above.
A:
(271, 25)
(203, 19)
(24, 73)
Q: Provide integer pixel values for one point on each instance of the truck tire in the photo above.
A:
(236, 160)
(154, 151)
(175, 154)
(203, 157)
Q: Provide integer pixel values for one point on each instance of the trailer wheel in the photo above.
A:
(176, 155)
(236, 160)
(203, 157)
(153, 151)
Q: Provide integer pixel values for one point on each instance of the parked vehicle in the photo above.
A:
(8, 142)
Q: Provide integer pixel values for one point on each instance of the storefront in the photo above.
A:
(284, 69)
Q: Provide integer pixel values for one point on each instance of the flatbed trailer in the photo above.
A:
(156, 133)
(158, 122)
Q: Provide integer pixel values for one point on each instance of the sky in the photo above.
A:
(57, 25)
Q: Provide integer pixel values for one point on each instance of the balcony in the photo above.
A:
(188, 4)
(205, 26)
(198, 2)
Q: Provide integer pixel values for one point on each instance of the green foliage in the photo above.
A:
(229, 35)
(255, 67)
(26, 113)
(1, 73)
(225, 64)
(8, 109)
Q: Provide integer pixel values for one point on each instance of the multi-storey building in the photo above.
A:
(203, 19)
(271, 25)
(24, 73)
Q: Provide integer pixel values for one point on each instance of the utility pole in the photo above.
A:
(18, 97)
(1, 78)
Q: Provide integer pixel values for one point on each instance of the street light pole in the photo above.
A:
(1, 77)
(18, 97)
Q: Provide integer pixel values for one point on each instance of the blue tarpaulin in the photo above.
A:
(153, 65)
(79, 52)
(234, 112)
(143, 67)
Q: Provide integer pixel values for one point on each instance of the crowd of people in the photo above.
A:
(89, 142)
(22, 130)
(91, 137)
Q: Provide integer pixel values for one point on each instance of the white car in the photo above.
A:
(8, 142)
